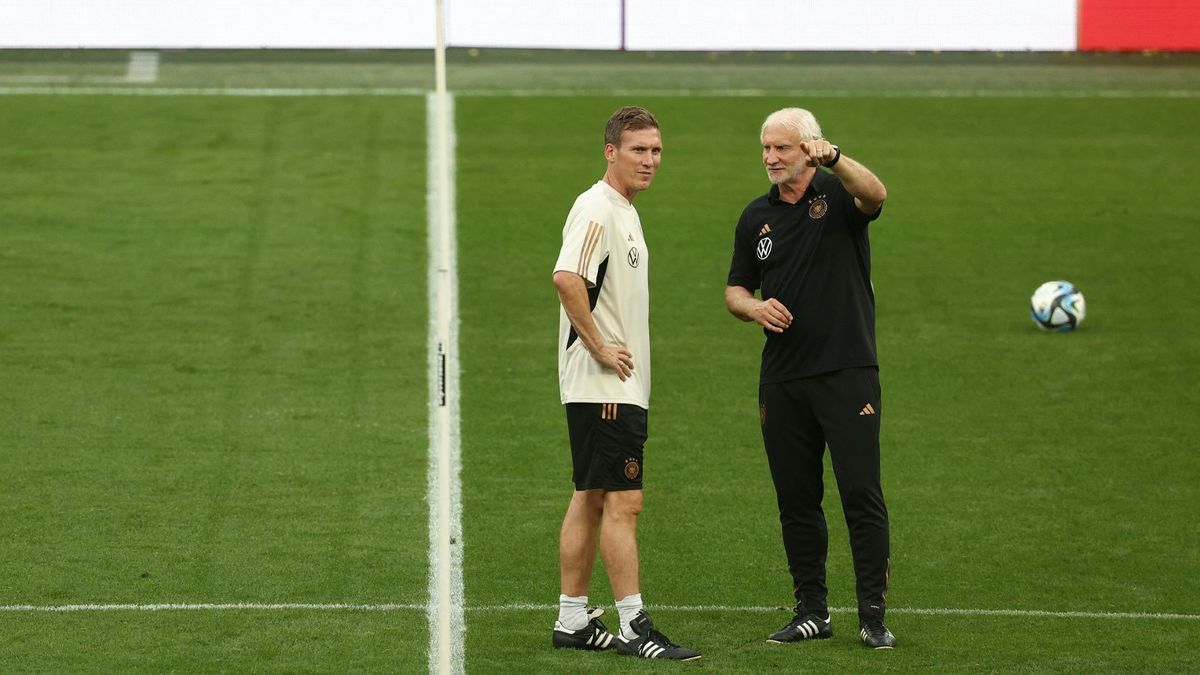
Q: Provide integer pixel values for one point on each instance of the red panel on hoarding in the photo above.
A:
(1125, 25)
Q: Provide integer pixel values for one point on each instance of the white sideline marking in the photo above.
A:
(551, 93)
(447, 622)
(837, 93)
(522, 607)
(446, 619)
(212, 91)
(220, 606)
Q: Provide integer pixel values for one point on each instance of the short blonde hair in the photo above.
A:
(797, 120)
(629, 118)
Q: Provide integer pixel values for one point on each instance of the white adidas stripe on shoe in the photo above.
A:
(803, 627)
(809, 628)
(649, 650)
(592, 637)
(649, 643)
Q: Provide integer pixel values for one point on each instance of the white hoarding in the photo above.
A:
(884, 25)
(217, 23)
(558, 24)
(793, 25)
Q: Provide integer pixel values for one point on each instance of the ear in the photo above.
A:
(610, 152)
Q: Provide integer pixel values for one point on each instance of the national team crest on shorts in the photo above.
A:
(818, 208)
(632, 470)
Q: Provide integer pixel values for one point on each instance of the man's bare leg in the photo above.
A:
(618, 548)
(577, 541)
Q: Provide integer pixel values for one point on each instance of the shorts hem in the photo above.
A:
(613, 488)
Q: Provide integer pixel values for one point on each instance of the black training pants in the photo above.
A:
(799, 417)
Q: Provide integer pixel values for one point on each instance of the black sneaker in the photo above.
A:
(803, 626)
(593, 637)
(651, 644)
(874, 634)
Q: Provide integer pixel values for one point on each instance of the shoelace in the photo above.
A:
(659, 638)
(875, 628)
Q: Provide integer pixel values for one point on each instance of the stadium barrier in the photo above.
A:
(718, 25)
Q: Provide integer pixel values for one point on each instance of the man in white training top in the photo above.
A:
(604, 381)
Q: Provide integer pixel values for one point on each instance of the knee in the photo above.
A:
(863, 500)
(590, 502)
(625, 504)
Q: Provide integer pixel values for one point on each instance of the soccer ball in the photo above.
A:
(1057, 306)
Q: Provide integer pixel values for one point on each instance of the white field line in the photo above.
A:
(211, 91)
(444, 492)
(62, 90)
(530, 607)
(836, 93)
(215, 607)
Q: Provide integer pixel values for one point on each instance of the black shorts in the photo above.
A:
(606, 445)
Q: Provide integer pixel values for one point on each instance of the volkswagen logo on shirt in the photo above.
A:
(764, 248)
(633, 257)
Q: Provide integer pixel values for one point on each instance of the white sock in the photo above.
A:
(572, 611)
(628, 607)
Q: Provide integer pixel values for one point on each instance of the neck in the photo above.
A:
(625, 192)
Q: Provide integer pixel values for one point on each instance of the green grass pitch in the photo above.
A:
(213, 365)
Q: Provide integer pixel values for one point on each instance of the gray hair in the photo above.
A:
(796, 120)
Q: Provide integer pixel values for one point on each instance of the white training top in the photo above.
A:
(603, 243)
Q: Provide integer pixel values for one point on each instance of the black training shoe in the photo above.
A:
(593, 637)
(874, 634)
(651, 644)
(803, 626)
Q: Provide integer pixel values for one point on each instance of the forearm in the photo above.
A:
(770, 313)
(740, 302)
(860, 182)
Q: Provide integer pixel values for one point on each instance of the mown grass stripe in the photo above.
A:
(62, 90)
(522, 607)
